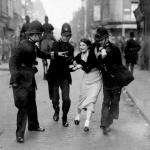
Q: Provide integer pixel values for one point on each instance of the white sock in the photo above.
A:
(87, 122)
(77, 117)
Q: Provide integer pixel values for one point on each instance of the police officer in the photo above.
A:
(22, 68)
(108, 55)
(59, 74)
(25, 27)
(47, 42)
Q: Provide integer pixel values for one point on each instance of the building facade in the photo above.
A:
(10, 17)
(142, 14)
(116, 15)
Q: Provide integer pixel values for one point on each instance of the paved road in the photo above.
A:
(130, 132)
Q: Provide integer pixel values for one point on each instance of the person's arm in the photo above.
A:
(14, 66)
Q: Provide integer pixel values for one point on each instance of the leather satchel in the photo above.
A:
(122, 75)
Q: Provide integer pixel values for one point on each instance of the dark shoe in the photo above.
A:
(76, 122)
(20, 139)
(64, 121)
(40, 129)
(105, 130)
(86, 129)
(65, 124)
(56, 116)
(115, 116)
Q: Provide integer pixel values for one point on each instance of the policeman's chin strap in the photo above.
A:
(31, 40)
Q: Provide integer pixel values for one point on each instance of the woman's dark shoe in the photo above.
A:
(20, 139)
(76, 122)
(86, 129)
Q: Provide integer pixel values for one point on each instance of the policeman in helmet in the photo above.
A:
(24, 28)
(108, 56)
(59, 74)
(22, 68)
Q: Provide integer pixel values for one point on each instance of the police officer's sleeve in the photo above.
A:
(70, 56)
(45, 55)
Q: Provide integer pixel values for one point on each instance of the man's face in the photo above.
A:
(65, 38)
(36, 37)
(101, 41)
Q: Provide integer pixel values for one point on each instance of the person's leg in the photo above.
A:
(21, 124)
(77, 118)
(132, 68)
(105, 108)
(105, 112)
(33, 123)
(65, 87)
(114, 108)
(87, 121)
(20, 100)
(54, 96)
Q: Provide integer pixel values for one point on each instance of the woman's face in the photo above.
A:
(83, 47)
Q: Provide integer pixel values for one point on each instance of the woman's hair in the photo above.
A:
(86, 41)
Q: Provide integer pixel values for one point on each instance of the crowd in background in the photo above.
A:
(7, 44)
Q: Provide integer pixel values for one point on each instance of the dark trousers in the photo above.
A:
(130, 67)
(110, 106)
(26, 111)
(54, 95)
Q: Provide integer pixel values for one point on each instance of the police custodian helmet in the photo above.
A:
(35, 27)
(101, 33)
(66, 30)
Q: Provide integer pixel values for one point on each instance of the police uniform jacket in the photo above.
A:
(22, 64)
(107, 64)
(59, 67)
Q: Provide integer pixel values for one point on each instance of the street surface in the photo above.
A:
(130, 132)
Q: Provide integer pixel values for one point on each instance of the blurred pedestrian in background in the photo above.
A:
(131, 52)
(1, 49)
(6, 49)
(144, 54)
(25, 27)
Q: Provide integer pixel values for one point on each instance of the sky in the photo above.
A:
(60, 11)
